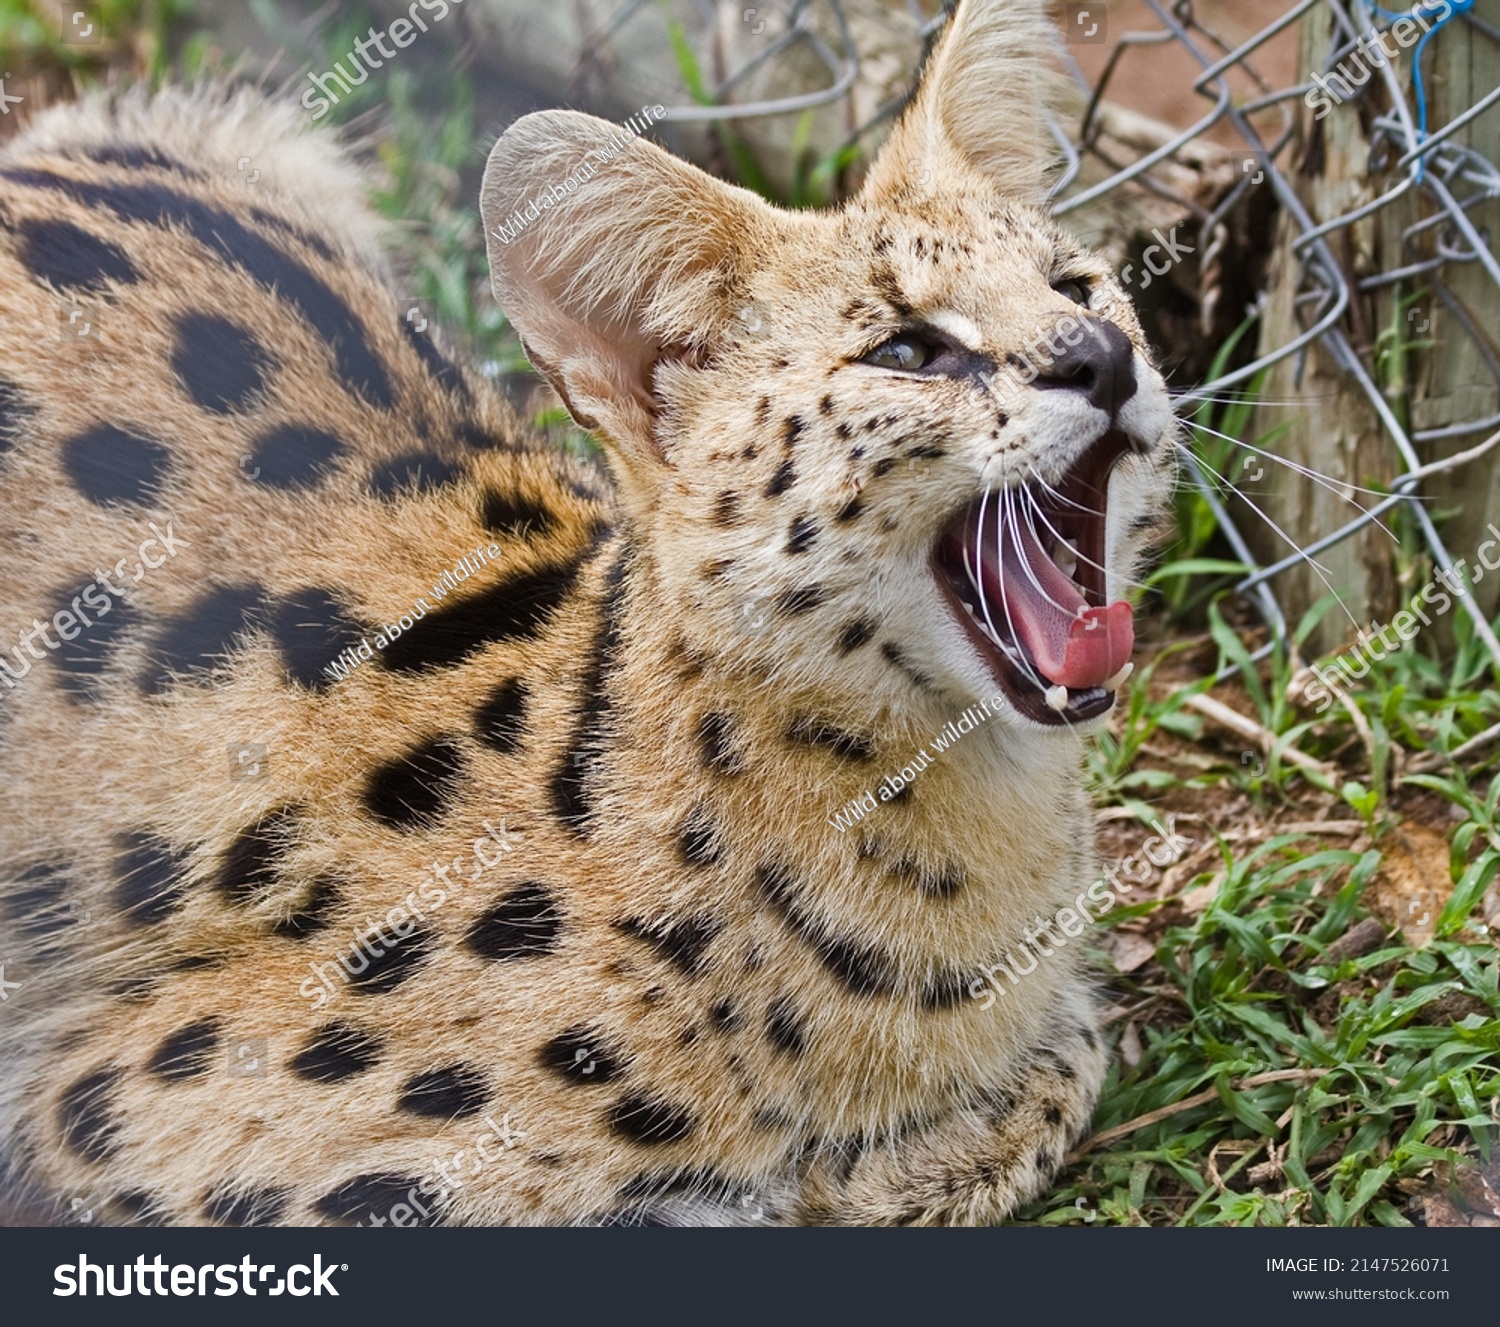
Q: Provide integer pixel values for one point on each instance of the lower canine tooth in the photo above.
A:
(1120, 678)
(1057, 698)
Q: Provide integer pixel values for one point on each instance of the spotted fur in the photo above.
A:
(616, 967)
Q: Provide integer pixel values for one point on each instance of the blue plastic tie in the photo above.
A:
(1419, 88)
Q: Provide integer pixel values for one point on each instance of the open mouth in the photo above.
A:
(1022, 570)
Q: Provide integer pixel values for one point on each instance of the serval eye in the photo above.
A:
(907, 353)
(1075, 289)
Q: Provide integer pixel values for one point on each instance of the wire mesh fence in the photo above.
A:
(1256, 116)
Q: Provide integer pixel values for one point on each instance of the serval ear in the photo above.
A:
(611, 258)
(979, 107)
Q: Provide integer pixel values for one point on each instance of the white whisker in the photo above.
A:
(1334, 486)
(1320, 571)
(1010, 507)
(1077, 552)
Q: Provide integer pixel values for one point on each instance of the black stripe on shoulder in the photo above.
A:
(519, 608)
(571, 798)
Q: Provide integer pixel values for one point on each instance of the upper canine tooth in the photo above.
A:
(1065, 557)
(1057, 698)
(1120, 678)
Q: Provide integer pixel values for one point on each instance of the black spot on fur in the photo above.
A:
(311, 629)
(1053, 1115)
(335, 1052)
(1058, 1065)
(698, 839)
(187, 1052)
(82, 660)
(442, 369)
(650, 1121)
(801, 599)
(999, 1107)
(148, 877)
(771, 1119)
(474, 434)
(36, 904)
(108, 465)
(784, 1026)
(136, 157)
(250, 864)
(15, 415)
(860, 969)
(582, 1055)
(893, 656)
(420, 472)
(683, 942)
(247, 1207)
(500, 721)
(783, 479)
(315, 912)
(372, 1199)
(518, 608)
(948, 990)
(223, 235)
(791, 430)
(884, 467)
(1046, 1164)
(515, 515)
(850, 510)
(716, 740)
(725, 1017)
(524, 923)
(414, 788)
(763, 410)
(293, 456)
(570, 790)
(926, 452)
(856, 634)
(726, 511)
(138, 1208)
(802, 536)
(199, 638)
(808, 731)
(399, 959)
(696, 1184)
(67, 256)
(452, 1093)
(883, 279)
(220, 363)
(826, 406)
(928, 882)
(86, 1115)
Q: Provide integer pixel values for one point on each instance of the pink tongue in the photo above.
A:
(1071, 643)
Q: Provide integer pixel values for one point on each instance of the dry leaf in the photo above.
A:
(1131, 951)
(1413, 883)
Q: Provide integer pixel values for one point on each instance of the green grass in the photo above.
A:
(1334, 1088)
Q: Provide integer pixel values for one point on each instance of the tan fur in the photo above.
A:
(665, 698)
